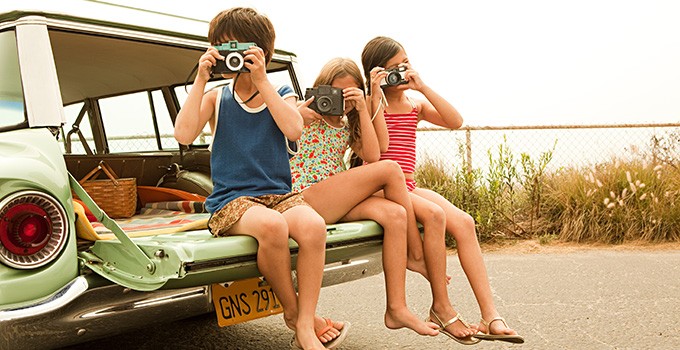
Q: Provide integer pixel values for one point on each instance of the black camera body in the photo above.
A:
(327, 100)
(233, 53)
(395, 76)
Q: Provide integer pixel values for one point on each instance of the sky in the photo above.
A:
(522, 62)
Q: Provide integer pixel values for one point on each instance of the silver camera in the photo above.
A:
(395, 76)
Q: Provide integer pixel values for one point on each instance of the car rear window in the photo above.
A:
(11, 95)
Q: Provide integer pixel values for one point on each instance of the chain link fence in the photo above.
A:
(571, 145)
(471, 146)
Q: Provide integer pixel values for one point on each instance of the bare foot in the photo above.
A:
(400, 318)
(331, 333)
(307, 341)
(458, 329)
(496, 328)
(418, 266)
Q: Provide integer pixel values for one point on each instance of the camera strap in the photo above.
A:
(249, 98)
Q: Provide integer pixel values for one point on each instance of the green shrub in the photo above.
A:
(612, 202)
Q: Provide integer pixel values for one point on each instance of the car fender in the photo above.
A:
(31, 159)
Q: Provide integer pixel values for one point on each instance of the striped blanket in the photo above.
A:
(154, 219)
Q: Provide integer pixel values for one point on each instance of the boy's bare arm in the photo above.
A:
(198, 107)
(284, 112)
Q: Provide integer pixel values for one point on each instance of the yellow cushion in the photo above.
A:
(84, 228)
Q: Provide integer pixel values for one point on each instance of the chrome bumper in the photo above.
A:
(80, 312)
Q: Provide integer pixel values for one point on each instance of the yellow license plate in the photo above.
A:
(244, 300)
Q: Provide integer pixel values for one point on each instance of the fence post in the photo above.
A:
(468, 149)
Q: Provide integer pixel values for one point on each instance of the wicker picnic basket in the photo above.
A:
(115, 196)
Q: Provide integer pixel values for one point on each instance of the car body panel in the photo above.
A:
(36, 166)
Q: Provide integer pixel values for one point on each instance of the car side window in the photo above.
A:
(132, 121)
(11, 94)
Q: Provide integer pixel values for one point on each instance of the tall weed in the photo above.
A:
(612, 202)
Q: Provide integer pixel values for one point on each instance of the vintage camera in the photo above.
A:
(395, 76)
(327, 100)
(233, 57)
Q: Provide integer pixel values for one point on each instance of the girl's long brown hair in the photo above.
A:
(339, 68)
(376, 53)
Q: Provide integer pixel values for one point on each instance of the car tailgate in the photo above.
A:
(197, 258)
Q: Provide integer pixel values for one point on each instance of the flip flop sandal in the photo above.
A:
(514, 338)
(471, 340)
(334, 343)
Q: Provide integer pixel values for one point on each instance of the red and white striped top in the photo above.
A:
(402, 131)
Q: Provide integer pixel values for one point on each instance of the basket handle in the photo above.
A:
(101, 167)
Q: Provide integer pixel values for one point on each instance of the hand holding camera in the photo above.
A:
(327, 100)
(395, 76)
(234, 54)
(309, 116)
(355, 99)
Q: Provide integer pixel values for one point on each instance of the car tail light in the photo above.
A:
(33, 229)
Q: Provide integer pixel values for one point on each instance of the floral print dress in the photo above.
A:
(321, 151)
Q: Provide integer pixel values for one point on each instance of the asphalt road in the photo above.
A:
(592, 299)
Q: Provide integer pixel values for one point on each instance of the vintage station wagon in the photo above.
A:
(80, 88)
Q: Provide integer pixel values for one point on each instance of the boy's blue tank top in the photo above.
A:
(249, 155)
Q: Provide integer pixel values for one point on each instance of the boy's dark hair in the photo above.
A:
(245, 25)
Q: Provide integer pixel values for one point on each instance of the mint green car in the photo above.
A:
(106, 84)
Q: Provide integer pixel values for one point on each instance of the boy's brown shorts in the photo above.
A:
(223, 219)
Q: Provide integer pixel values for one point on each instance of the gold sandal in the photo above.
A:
(510, 338)
(471, 340)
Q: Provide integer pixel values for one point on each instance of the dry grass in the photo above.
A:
(616, 202)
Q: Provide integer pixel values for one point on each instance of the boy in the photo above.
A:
(250, 121)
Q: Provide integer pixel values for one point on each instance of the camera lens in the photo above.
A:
(324, 104)
(234, 61)
(393, 78)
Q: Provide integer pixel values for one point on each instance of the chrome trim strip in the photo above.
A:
(146, 303)
(58, 300)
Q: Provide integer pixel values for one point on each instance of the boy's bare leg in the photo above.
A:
(434, 246)
(270, 229)
(392, 217)
(308, 229)
(462, 227)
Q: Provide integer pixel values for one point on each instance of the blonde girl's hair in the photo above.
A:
(243, 24)
(377, 52)
(340, 68)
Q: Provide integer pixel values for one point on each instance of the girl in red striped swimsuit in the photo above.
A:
(435, 212)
